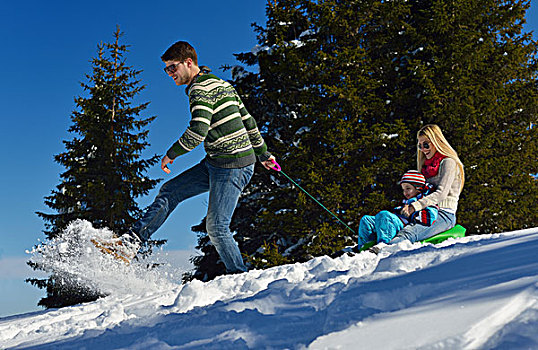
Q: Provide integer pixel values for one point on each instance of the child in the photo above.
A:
(385, 225)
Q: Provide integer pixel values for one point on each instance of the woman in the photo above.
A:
(441, 166)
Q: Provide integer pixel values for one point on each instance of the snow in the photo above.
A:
(307, 33)
(478, 292)
(258, 48)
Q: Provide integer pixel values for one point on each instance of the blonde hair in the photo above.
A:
(435, 135)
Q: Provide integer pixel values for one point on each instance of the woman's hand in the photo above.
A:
(407, 210)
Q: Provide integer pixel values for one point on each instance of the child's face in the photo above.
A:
(409, 191)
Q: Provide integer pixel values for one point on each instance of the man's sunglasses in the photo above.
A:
(425, 145)
(171, 68)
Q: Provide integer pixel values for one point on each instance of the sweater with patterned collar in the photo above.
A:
(220, 120)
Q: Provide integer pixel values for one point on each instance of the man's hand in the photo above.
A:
(408, 210)
(164, 164)
(268, 164)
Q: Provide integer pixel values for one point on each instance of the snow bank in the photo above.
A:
(475, 292)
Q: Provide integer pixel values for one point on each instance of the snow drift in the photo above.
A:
(469, 293)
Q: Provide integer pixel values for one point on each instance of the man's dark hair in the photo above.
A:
(180, 51)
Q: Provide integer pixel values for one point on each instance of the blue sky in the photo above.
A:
(46, 51)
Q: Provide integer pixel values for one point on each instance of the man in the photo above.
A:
(232, 142)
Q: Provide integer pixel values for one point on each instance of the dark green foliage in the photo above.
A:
(104, 169)
(63, 290)
(268, 256)
(331, 120)
(342, 88)
(478, 72)
(104, 166)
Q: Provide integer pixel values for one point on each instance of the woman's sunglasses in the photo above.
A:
(425, 145)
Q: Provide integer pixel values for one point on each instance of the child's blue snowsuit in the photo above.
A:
(381, 228)
(385, 225)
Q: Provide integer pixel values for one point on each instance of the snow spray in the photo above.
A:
(73, 257)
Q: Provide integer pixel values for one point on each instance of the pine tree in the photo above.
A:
(104, 166)
(335, 134)
(343, 86)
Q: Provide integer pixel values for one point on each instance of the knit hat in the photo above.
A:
(414, 178)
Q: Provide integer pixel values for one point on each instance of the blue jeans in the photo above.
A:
(224, 186)
(380, 228)
(416, 232)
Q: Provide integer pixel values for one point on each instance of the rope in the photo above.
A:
(302, 189)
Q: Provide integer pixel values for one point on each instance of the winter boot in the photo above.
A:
(123, 248)
(347, 250)
(376, 249)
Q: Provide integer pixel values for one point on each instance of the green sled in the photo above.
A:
(455, 232)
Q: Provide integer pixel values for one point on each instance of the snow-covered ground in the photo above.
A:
(479, 292)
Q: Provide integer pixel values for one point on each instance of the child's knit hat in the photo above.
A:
(414, 178)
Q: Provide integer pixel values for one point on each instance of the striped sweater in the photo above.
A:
(220, 120)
